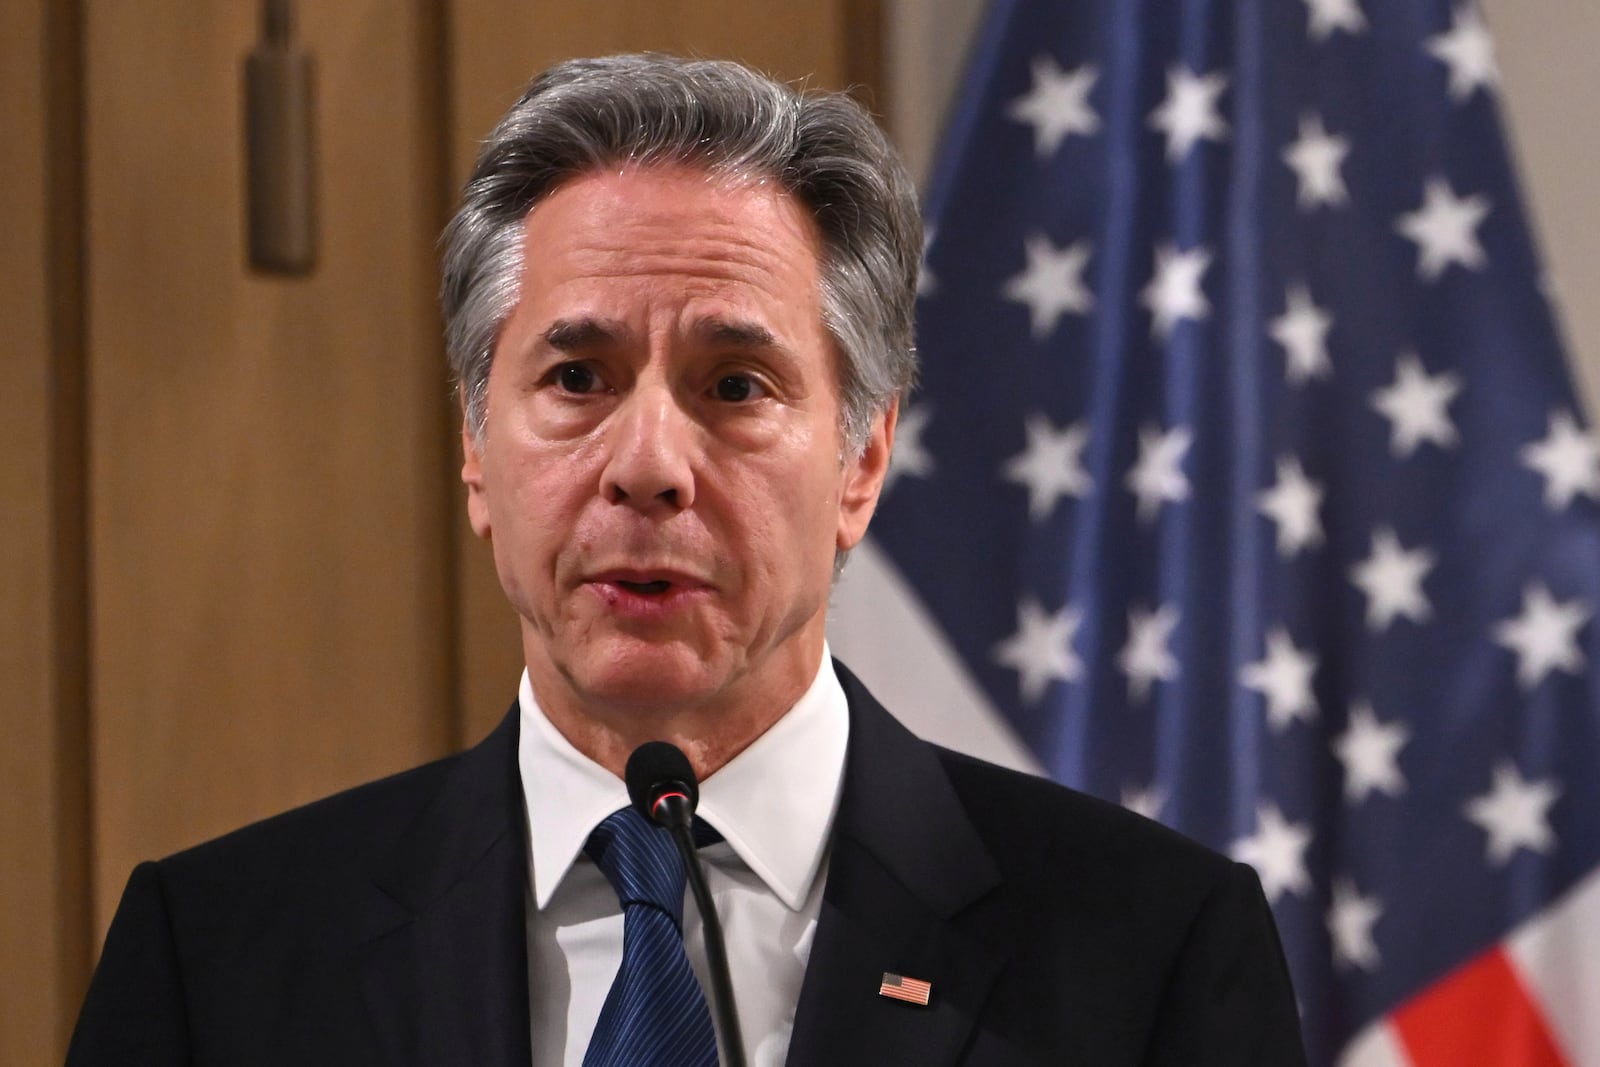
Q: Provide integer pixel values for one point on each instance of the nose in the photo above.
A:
(651, 461)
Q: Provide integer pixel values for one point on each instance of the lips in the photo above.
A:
(648, 581)
(647, 595)
(658, 585)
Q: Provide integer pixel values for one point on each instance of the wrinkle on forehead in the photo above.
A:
(713, 229)
(725, 183)
(579, 334)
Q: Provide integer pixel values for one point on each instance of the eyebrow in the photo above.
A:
(578, 335)
(586, 334)
(727, 333)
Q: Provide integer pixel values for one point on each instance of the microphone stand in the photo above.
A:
(716, 953)
(662, 786)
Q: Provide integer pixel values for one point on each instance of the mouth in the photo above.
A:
(649, 588)
(647, 593)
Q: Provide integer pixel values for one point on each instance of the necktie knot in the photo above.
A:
(640, 861)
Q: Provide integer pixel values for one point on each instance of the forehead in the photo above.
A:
(672, 218)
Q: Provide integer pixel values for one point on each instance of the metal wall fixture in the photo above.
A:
(280, 147)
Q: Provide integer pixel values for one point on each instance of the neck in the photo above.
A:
(710, 732)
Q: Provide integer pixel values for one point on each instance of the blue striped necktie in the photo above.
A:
(655, 1014)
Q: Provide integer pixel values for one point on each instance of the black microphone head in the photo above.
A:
(657, 769)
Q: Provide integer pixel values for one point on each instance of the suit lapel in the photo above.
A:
(449, 982)
(905, 863)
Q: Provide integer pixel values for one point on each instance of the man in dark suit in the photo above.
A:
(678, 302)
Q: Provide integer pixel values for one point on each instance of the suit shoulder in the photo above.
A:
(1038, 829)
(1023, 812)
(350, 827)
(332, 832)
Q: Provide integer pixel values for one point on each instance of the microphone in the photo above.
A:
(662, 785)
(663, 788)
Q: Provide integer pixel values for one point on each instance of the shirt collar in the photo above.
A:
(774, 802)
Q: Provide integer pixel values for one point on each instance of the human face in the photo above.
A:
(661, 473)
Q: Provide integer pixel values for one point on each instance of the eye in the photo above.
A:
(577, 378)
(737, 388)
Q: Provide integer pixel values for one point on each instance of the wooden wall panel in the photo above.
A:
(44, 943)
(268, 531)
(44, 922)
(27, 833)
(495, 47)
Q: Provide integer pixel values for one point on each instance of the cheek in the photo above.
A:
(796, 522)
(532, 504)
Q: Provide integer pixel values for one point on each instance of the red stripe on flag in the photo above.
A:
(1479, 1014)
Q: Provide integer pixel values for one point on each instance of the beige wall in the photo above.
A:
(1551, 92)
(1551, 97)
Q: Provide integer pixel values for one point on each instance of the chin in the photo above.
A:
(645, 676)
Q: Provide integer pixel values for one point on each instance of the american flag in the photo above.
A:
(910, 990)
(1247, 484)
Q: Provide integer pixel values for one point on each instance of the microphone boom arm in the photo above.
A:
(662, 786)
(716, 952)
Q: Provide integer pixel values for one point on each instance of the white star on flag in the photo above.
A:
(1146, 659)
(1292, 503)
(910, 457)
(1156, 477)
(1284, 678)
(1277, 850)
(1174, 291)
(1544, 635)
(1189, 111)
(1316, 158)
(1351, 918)
(1391, 577)
(1051, 466)
(1468, 50)
(1416, 406)
(1445, 229)
(1051, 284)
(1515, 813)
(1370, 753)
(1057, 105)
(1041, 649)
(1569, 460)
(1146, 802)
(1302, 330)
(1329, 15)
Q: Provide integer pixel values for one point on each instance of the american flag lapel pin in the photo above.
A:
(910, 990)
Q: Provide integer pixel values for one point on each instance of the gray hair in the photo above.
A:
(823, 148)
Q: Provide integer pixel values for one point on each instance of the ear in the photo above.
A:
(472, 478)
(863, 479)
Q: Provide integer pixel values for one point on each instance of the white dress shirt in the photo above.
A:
(774, 805)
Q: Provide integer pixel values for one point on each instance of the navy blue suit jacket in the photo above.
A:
(387, 925)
